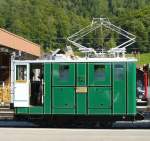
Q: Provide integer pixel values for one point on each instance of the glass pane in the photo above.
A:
(119, 73)
(64, 72)
(99, 72)
(21, 72)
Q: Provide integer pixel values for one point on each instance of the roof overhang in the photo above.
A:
(16, 42)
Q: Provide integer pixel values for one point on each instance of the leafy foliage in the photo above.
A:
(49, 22)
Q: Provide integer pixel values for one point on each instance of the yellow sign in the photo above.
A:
(81, 89)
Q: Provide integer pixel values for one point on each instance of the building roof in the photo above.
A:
(16, 42)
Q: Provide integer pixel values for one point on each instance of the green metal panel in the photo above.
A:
(131, 88)
(99, 97)
(63, 111)
(119, 88)
(22, 110)
(99, 111)
(81, 74)
(36, 110)
(63, 99)
(81, 81)
(99, 74)
(47, 88)
(81, 103)
(63, 74)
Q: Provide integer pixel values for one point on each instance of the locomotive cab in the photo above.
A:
(28, 84)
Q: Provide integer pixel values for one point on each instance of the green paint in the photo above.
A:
(99, 97)
(63, 98)
(63, 74)
(47, 88)
(81, 100)
(81, 103)
(81, 74)
(99, 111)
(22, 110)
(105, 93)
(119, 88)
(131, 88)
(99, 74)
(36, 110)
(63, 111)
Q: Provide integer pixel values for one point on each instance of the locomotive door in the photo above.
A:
(21, 85)
(99, 93)
(63, 95)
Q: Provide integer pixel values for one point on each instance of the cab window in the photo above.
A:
(99, 72)
(64, 72)
(119, 72)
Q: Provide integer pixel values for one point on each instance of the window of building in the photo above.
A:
(99, 72)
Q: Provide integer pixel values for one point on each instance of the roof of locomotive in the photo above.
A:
(79, 60)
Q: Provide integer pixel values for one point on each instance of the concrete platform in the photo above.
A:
(24, 134)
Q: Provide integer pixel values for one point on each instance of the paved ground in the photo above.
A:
(36, 134)
(122, 131)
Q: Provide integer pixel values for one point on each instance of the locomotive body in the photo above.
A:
(87, 87)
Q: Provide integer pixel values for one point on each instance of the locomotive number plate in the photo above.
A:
(81, 89)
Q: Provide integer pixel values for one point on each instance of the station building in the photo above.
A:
(13, 45)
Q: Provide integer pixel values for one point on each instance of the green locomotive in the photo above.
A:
(89, 88)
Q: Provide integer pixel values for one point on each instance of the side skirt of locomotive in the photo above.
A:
(105, 121)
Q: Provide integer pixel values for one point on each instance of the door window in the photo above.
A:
(21, 73)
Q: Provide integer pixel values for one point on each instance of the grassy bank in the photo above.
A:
(142, 58)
